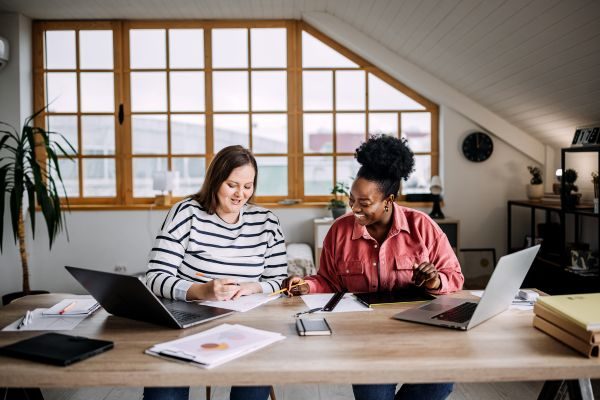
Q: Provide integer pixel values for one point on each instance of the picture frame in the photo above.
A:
(586, 135)
(477, 263)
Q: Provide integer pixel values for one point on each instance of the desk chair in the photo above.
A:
(271, 393)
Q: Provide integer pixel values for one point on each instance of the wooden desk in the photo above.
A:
(364, 348)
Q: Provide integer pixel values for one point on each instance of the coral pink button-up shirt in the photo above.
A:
(351, 259)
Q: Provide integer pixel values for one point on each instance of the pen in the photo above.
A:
(25, 320)
(361, 301)
(67, 308)
(312, 310)
(284, 289)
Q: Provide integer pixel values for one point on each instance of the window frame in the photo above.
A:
(122, 79)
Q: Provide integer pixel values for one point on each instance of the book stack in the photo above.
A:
(572, 319)
(551, 198)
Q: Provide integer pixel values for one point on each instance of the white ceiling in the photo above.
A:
(535, 63)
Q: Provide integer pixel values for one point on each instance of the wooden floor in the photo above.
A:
(472, 391)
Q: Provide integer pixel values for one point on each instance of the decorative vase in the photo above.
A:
(535, 192)
(337, 212)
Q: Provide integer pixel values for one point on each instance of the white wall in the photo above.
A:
(15, 106)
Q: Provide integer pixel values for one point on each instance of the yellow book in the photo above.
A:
(582, 309)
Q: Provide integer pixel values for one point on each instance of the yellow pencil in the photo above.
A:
(67, 308)
(284, 289)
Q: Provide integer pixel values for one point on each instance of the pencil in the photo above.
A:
(67, 308)
(284, 289)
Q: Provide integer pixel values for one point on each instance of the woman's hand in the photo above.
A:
(301, 289)
(217, 289)
(425, 274)
(246, 288)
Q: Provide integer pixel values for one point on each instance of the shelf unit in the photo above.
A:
(555, 264)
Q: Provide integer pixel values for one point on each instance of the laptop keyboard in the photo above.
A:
(459, 314)
(184, 317)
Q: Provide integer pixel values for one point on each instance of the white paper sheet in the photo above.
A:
(243, 303)
(81, 306)
(42, 323)
(347, 304)
(518, 303)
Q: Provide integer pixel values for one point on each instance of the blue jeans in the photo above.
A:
(182, 393)
(421, 391)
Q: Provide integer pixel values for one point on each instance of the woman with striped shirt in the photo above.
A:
(214, 245)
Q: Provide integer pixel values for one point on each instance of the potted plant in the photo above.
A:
(535, 188)
(568, 195)
(29, 169)
(337, 205)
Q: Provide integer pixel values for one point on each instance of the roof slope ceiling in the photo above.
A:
(534, 63)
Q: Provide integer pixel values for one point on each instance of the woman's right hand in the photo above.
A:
(296, 290)
(217, 289)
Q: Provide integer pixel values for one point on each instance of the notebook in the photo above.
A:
(72, 307)
(398, 296)
(56, 348)
(463, 314)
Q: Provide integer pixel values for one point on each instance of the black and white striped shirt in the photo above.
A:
(192, 241)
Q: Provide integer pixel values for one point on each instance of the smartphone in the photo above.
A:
(312, 327)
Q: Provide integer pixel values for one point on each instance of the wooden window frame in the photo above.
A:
(295, 152)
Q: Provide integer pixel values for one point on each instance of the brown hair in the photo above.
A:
(226, 160)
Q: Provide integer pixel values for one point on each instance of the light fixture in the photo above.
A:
(164, 182)
(556, 185)
(435, 187)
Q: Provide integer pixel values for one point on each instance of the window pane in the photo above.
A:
(230, 48)
(268, 47)
(148, 91)
(188, 134)
(143, 170)
(230, 129)
(269, 91)
(147, 48)
(230, 91)
(317, 54)
(60, 49)
(187, 91)
(67, 127)
(351, 131)
(70, 177)
(97, 92)
(269, 133)
(383, 123)
(98, 134)
(149, 134)
(61, 93)
(186, 48)
(418, 182)
(95, 49)
(191, 175)
(99, 177)
(416, 128)
(318, 133)
(382, 96)
(272, 176)
(347, 168)
(317, 90)
(350, 91)
(318, 175)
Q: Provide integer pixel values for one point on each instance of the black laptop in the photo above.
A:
(127, 296)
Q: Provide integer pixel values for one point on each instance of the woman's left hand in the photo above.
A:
(247, 288)
(425, 274)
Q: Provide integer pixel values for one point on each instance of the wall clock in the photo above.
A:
(477, 146)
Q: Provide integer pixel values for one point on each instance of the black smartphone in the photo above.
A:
(334, 300)
(312, 327)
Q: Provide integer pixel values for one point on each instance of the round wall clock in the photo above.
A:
(477, 146)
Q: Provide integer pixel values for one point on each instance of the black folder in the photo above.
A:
(397, 296)
(56, 348)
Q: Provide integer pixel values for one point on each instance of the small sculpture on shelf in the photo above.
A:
(569, 197)
(535, 189)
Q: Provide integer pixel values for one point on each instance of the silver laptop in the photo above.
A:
(463, 314)
(127, 296)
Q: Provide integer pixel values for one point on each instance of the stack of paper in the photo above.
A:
(215, 346)
(243, 303)
(572, 319)
(72, 307)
